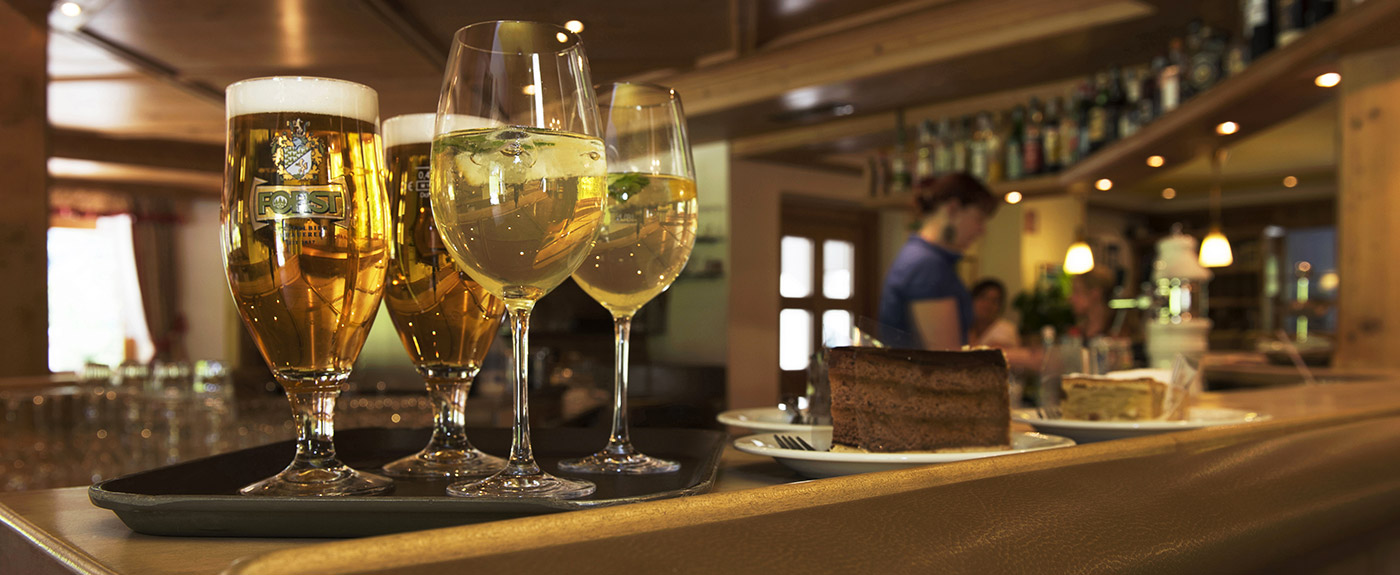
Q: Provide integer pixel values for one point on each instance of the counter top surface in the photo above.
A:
(59, 530)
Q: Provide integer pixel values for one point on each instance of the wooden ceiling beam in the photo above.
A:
(147, 65)
(848, 23)
(409, 28)
(149, 152)
(939, 34)
(135, 189)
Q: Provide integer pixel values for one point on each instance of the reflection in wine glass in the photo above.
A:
(646, 239)
(518, 202)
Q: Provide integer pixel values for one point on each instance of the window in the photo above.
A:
(94, 298)
(825, 281)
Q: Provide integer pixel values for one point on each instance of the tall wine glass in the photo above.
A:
(305, 226)
(645, 242)
(518, 203)
(446, 320)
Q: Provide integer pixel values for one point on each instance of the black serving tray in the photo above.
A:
(200, 498)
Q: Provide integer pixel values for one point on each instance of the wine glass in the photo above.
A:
(645, 241)
(304, 230)
(446, 320)
(520, 201)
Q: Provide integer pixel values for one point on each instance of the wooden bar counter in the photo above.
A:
(1315, 489)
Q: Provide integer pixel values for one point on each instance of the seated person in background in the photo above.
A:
(989, 328)
(1108, 332)
(923, 295)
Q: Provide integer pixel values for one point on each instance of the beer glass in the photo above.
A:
(519, 202)
(446, 320)
(646, 238)
(304, 230)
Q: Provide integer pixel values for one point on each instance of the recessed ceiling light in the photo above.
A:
(1168, 193)
(1290, 181)
(561, 37)
(1013, 197)
(529, 90)
(1328, 80)
(574, 26)
(70, 9)
(1227, 128)
(1104, 185)
(1156, 161)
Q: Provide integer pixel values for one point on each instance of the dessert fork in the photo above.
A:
(793, 442)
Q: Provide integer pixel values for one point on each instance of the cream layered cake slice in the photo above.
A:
(1135, 395)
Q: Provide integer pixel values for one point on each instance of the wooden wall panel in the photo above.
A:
(1368, 211)
(24, 221)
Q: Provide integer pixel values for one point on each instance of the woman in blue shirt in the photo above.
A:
(924, 304)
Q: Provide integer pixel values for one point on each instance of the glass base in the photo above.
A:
(321, 482)
(627, 463)
(542, 485)
(446, 463)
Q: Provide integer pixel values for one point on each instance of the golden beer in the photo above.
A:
(446, 321)
(305, 238)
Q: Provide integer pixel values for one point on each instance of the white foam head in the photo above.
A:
(302, 94)
(409, 129)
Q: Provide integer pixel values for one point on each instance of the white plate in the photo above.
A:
(828, 464)
(1090, 431)
(766, 419)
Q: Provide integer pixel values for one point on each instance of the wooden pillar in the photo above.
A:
(1368, 211)
(24, 314)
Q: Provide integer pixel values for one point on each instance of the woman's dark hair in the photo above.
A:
(931, 193)
(990, 283)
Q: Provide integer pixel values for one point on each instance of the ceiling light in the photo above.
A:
(1290, 181)
(1227, 128)
(70, 9)
(529, 90)
(1328, 80)
(1215, 250)
(1013, 197)
(574, 26)
(1168, 193)
(561, 37)
(1104, 185)
(1079, 259)
(1156, 161)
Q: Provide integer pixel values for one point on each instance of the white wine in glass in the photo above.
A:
(647, 236)
(519, 201)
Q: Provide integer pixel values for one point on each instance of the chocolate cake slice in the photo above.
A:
(886, 400)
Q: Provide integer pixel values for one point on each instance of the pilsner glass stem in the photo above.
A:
(522, 457)
(618, 441)
(313, 411)
(449, 396)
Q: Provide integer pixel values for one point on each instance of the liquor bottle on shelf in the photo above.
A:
(1132, 94)
(943, 147)
(1236, 58)
(977, 147)
(1207, 58)
(1103, 116)
(1050, 140)
(994, 141)
(1317, 11)
(1033, 152)
(1170, 88)
(962, 133)
(1258, 26)
(1086, 107)
(1147, 100)
(899, 169)
(923, 164)
(1070, 121)
(1015, 145)
(1290, 14)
